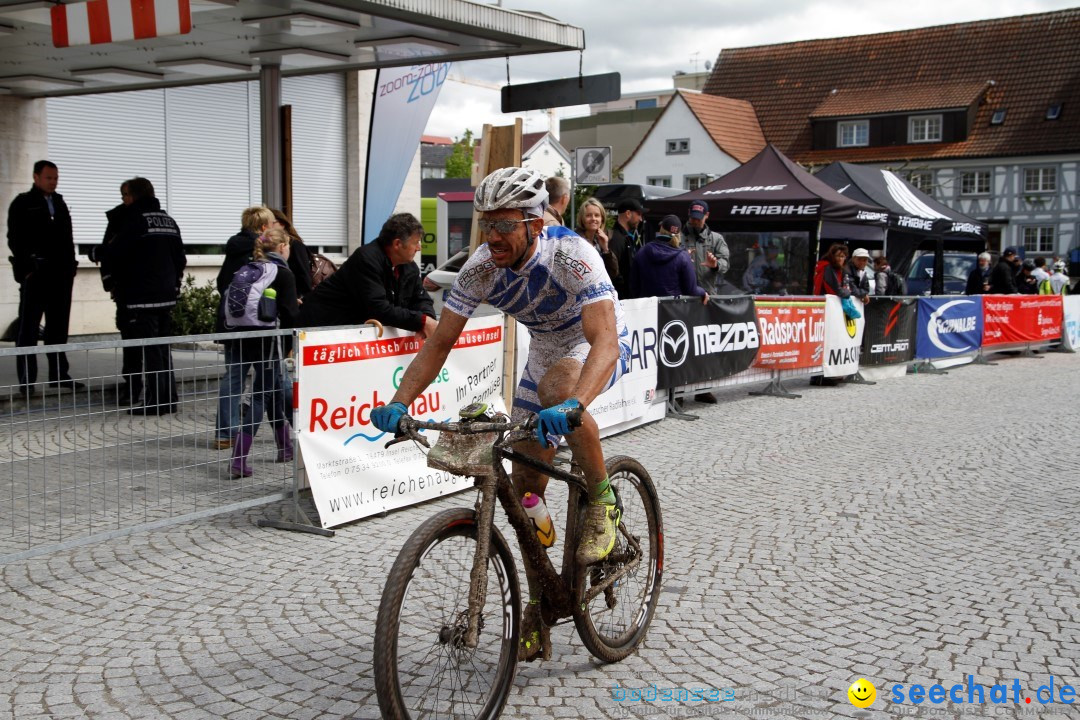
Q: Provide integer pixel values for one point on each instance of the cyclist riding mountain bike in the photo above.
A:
(553, 282)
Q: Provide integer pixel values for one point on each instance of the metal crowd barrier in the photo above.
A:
(75, 465)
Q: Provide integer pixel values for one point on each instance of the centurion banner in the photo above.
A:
(791, 332)
(1070, 331)
(698, 343)
(404, 97)
(343, 374)
(949, 327)
(843, 338)
(1021, 319)
(628, 403)
(889, 338)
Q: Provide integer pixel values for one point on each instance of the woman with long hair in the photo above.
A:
(592, 225)
(299, 257)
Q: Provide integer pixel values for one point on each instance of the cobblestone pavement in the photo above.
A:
(917, 531)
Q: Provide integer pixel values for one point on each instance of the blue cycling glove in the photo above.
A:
(555, 421)
(388, 417)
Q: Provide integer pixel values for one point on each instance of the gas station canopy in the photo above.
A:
(233, 40)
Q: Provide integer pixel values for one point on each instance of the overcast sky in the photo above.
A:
(628, 37)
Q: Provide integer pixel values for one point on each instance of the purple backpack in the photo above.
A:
(245, 304)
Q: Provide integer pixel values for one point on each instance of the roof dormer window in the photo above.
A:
(1053, 112)
(853, 133)
(924, 128)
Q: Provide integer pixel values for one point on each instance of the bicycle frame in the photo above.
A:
(494, 482)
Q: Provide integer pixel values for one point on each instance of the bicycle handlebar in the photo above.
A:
(409, 428)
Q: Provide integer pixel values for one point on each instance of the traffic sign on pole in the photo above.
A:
(592, 165)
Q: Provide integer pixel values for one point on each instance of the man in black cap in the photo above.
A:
(1001, 277)
(625, 242)
(707, 249)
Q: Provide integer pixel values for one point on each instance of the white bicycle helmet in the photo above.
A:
(512, 187)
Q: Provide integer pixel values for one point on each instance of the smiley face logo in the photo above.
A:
(862, 694)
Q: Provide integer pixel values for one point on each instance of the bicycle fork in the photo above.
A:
(485, 512)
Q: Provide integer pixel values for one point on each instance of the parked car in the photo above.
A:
(439, 281)
(958, 265)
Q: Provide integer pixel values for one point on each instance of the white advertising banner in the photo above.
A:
(1070, 330)
(630, 402)
(843, 339)
(343, 374)
(404, 98)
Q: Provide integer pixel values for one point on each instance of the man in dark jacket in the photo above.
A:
(379, 281)
(708, 249)
(625, 241)
(43, 260)
(146, 261)
(1002, 281)
(978, 281)
(132, 356)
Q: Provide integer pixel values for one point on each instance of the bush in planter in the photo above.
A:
(196, 309)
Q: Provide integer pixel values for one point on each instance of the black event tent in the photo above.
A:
(771, 189)
(916, 220)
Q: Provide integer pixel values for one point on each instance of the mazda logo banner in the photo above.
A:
(889, 338)
(698, 343)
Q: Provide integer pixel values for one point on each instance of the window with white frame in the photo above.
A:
(922, 180)
(1039, 238)
(678, 146)
(975, 182)
(924, 128)
(1040, 179)
(661, 180)
(853, 133)
(693, 182)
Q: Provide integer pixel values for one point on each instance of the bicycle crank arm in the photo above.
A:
(612, 579)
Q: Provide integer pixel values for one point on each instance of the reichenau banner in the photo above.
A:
(698, 343)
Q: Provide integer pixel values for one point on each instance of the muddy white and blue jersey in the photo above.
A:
(546, 295)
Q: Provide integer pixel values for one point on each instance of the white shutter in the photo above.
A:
(98, 142)
(209, 160)
(320, 173)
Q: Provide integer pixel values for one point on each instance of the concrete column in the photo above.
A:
(270, 116)
(24, 139)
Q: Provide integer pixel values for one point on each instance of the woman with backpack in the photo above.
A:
(257, 301)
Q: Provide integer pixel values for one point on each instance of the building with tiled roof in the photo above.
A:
(541, 151)
(696, 139)
(983, 115)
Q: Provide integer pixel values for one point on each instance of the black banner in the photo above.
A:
(698, 343)
(889, 337)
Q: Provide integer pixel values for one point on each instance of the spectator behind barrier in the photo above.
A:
(661, 269)
(379, 281)
(299, 257)
(1026, 282)
(1002, 277)
(835, 279)
(887, 282)
(592, 225)
(254, 221)
(1059, 281)
(978, 281)
(558, 200)
(626, 240)
(708, 250)
(862, 279)
(757, 279)
(264, 356)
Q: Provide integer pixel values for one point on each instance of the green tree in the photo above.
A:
(459, 162)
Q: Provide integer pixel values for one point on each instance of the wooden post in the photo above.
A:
(286, 161)
(499, 147)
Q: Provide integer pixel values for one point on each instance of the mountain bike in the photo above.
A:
(447, 632)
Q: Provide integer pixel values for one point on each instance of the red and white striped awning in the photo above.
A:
(104, 21)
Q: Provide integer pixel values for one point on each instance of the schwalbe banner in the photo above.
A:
(889, 337)
(698, 343)
(343, 374)
(1070, 331)
(949, 326)
(404, 98)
